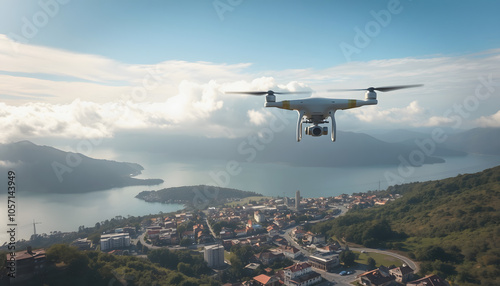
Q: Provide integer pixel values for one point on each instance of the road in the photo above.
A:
(348, 279)
(405, 259)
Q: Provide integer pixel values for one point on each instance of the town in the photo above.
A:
(268, 239)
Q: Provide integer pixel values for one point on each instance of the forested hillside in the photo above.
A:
(452, 226)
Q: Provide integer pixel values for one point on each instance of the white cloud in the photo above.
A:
(489, 121)
(258, 117)
(50, 92)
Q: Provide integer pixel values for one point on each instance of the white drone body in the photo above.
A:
(317, 110)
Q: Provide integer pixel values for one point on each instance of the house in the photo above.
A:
(82, 244)
(290, 252)
(268, 257)
(226, 233)
(402, 273)
(430, 280)
(29, 264)
(300, 274)
(376, 277)
(188, 234)
(265, 280)
(273, 230)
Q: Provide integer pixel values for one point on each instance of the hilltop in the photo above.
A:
(45, 169)
(452, 226)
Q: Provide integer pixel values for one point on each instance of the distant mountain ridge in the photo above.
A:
(350, 150)
(482, 141)
(45, 169)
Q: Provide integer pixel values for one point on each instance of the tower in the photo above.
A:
(297, 200)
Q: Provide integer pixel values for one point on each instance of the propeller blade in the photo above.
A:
(350, 89)
(382, 89)
(390, 88)
(293, 92)
(269, 92)
(247, 92)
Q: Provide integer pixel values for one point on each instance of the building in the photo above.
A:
(259, 217)
(214, 255)
(324, 261)
(402, 273)
(29, 264)
(433, 280)
(114, 241)
(265, 280)
(300, 274)
(268, 257)
(290, 252)
(82, 244)
(376, 277)
(297, 200)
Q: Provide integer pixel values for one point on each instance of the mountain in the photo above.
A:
(477, 140)
(49, 170)
(351, 149)
(451, 226)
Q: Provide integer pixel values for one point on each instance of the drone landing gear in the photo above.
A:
(334, 125)
(299, 125)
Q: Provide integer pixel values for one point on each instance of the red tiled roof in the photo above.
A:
(298, 266)
(262, 278)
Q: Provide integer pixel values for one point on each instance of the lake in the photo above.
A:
(65, 212)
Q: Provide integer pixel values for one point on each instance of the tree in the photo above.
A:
(95, 237)
(185, 269)
(372, 264)
(348, 258)
(186, 242)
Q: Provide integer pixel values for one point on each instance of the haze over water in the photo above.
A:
(66, 212)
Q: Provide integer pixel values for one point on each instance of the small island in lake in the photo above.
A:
(197, 196)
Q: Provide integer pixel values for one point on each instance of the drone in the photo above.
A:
(316, 110)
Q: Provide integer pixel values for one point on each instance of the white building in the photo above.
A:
(301, 274)
(259, 217)
(214, 255)
(114, 241)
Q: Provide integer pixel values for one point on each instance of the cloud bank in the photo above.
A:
(54, 93)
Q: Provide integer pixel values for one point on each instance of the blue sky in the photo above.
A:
(80, 64)
(269, 34)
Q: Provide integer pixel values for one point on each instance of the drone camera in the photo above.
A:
(316, 131)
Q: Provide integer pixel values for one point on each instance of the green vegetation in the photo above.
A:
(247, 200)
(69, 266)
(240, 256)
(373, 259)
(195, 196)
(452, 226)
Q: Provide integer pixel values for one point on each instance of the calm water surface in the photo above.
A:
(65, 212)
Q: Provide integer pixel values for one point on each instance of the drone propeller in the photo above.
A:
(383, 89)
(269, 92)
